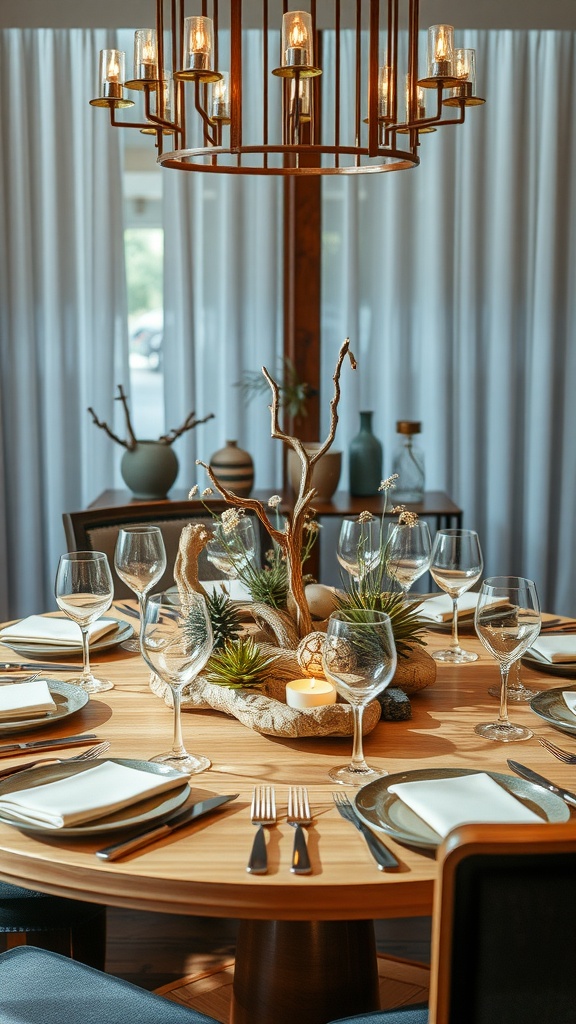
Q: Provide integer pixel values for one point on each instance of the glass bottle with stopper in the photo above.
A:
(408, 463)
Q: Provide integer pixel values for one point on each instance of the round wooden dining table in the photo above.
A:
(306, 948)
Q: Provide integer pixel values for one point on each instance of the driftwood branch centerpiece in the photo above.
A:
(290, 540)
(130, 442)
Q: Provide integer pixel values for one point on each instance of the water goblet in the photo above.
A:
(408, 553)
(456, 565)
(176, 642)
(139, 560)
(507, 620)
(84, 591)
(233, 550)
(359, 658)
(359, 547)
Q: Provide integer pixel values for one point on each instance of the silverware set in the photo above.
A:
(87, 755)
(263, 815)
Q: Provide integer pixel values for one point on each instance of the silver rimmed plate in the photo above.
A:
(565, 669)
(151, 810)
(68, 699)
(386, 812)
(42, 650)
(551, 706)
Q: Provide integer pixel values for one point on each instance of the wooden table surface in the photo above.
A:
(201, 870)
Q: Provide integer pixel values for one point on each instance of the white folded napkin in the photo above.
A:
(445, 803)
(439, 609)
(25, 700)
(555, 650)
(46, 629)
(234, 589)
(84, 797)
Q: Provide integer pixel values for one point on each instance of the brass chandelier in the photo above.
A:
(193, 73)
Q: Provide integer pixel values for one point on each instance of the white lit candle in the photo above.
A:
(310, 693)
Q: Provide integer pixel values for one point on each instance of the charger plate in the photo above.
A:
(68, 699)
(386, 812)
(550, 705)
(565, 669)
(154, 809)
(31, 650)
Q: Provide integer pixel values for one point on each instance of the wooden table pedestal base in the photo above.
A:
(304, 972)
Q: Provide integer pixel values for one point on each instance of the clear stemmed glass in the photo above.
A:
(84, 591)
(359, 658)
(139, 560)
(233, 549)
(507, 620)
(517, 692)
(456, 565)
(408, 553)
(176, 642)
(359, 546)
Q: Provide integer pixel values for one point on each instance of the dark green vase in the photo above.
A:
(365, 459)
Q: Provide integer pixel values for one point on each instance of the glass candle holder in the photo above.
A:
(420, 111)
(198, 43)
(302, 106)
(384, 92)
(465, 69)
(145, 55)
(297, 41)
(161, 105)
(112, 74)
(220, 98)
(440, 51)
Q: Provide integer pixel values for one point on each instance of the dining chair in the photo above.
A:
(504, 929)
(41, 987)
(66, 926)
(96, 529)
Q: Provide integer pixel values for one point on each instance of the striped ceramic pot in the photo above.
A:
(234, 468)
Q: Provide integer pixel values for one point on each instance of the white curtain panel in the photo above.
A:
(223, 300)
(63, 309)
(455, 282)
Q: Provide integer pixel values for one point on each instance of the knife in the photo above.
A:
(6, 749)
(531, 776)
(384, 857)
(46, 666)
(174, 822)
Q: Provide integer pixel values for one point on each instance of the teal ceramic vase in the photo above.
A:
(149, 469)
(365, 460)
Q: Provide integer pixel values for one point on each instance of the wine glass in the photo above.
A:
(231, 550)
(408, 553)
(507, 620)
(139, 560)
(359, 658)
(176, 642)
(517, 692)
(359, 546)
(84, 591)
(456, 565)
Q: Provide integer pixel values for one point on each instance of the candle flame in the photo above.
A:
(298, 36)
(199, 40)
(148, 54)
(441, 44)
(113, 70)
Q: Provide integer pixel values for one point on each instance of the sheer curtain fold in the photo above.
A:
(64, 344)
(462, 268)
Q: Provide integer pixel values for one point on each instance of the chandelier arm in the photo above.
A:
(126, 124)
(153, 118)
(422, 122)
(208, 137)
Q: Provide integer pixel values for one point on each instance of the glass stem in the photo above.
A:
(177, 744)
(455, 643)
(86, 673)
(503, 716)
(142, 608)
(357, 748)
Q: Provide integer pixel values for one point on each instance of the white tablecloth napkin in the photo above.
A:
(555, 650)
(235, 590)
(439, 609)
(50, 631)
(445, 803)
(25, 700)
(84, 797)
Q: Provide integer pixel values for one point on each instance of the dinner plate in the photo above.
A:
(68, 699)
(386, 812)
(565, 669)
(43, 650)
(153, 809)
(550, 705)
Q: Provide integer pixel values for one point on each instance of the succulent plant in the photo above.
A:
(406, 623)
(239, 664)
(225, 619)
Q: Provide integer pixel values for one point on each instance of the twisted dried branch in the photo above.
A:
(189, 423)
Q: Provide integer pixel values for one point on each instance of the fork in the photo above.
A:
(87, 755)
(562, 755)
(262, 812)
(382, 855)
(299, 815)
